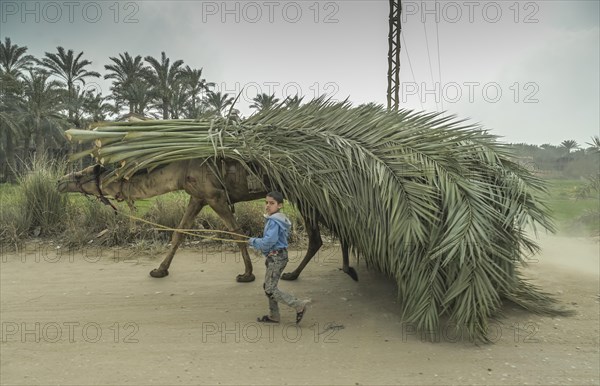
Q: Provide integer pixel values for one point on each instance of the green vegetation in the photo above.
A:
(34, 206)
(568, 161)
(574, 215)
(573, 175)
(33, 209)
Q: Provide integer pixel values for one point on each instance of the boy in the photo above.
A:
(273, 245)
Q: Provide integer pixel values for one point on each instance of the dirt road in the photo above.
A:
(96, 317)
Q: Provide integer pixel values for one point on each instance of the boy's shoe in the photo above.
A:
(300, 314)
(266, 319)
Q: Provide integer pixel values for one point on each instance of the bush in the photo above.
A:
(93, 222)
(249, 216)
(43, 207)
(167, 211)
(14, 222)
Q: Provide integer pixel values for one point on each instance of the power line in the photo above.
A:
(429, 59)
(411, 70)
(437, 31)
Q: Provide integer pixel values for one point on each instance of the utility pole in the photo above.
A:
(394, 55)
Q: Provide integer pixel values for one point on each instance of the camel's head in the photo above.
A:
(84, 181)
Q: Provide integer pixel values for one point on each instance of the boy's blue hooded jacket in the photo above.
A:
(275, 235)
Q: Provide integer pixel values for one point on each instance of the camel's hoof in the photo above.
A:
(289, 276)
(159, 273)
(245, 278)
(352, 273)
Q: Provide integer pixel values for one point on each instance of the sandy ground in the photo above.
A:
(97, 318)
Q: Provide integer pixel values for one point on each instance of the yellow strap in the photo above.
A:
(204, 237)
(191, 232)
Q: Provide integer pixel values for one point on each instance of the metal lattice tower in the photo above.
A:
(394, 55)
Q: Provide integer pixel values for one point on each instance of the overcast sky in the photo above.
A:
(526, 70)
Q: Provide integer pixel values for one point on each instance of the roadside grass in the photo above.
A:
(574, 216)
(33, 207)
(86, 221)
(13, 219)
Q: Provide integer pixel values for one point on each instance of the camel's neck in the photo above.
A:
(146, 185)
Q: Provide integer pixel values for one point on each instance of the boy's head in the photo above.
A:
(273, 202)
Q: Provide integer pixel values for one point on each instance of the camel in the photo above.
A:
(207, 184)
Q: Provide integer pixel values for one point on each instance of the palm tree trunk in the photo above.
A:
(40, 142)
(165, 107)
(70, 102)
(26, 141)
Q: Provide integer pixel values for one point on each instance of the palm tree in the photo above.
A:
(569, 144)
(90, 107)
(595, 144)
(593, 181)
(96, 107)
(125, 70)
(217, 103)
(179, 98)
(197, 87)
(163, 77)
(264, 102)
(140, 93)
(10, 131)
(40, 110)
(71, 69)
(13, 61)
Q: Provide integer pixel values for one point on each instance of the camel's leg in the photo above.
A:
(314, 243)
(346, 261)
(194, 207)
(221, 207)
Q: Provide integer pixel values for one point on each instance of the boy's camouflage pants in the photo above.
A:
(276, 262)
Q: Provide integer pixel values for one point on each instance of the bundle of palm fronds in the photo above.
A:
(436, 203)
